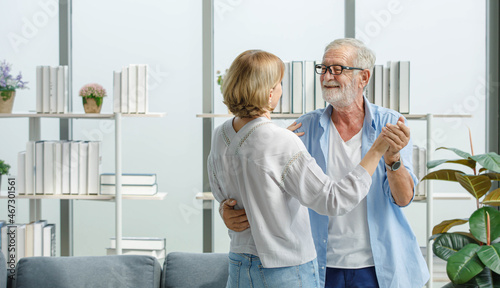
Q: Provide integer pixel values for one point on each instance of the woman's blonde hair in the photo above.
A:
(248, 81)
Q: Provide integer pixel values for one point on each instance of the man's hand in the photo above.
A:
(235, 220)
(294, 126)
(398, 137)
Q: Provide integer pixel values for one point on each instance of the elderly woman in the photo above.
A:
(269, 172)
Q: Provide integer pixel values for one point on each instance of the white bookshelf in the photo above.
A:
(34, 135)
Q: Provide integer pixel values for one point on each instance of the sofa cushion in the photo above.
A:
(193, 270)
(121, 271)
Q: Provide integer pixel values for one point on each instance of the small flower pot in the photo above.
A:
(7, 101)
(90, 105)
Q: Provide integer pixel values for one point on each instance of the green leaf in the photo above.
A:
(460, 153)
(485, 279)
(444, 174)
(492, 176)
(446, 225)
(490, 161)
(490, 255)
(466, 162)
(464, 264)
(477, 223)
(492, 198)
(477, 186)
(449, 243)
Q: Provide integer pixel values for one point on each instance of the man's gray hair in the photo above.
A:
(365, 57)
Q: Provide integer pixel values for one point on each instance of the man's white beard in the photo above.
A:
(340, 97)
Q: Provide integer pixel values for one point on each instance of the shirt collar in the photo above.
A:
(368, 122)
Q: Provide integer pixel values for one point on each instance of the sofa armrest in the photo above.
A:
(191, 270)
(97, 271)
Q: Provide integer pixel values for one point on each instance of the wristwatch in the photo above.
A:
(394, 166)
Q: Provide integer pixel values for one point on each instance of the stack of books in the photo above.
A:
(420, 168)
(59, 167)
(150, 246)
(52, 89)
(26, 240)
(132, 184)
(130, 89)
(389, 86)
(301, 88)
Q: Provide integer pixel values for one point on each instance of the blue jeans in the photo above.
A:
(246, 271)
(351, 278)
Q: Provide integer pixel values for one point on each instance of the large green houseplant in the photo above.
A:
(473, 257)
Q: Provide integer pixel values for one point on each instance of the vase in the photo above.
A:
(7, 100)
(90, 105)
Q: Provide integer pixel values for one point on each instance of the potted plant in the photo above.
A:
(4, 170)
(473, 257)
(92, 97)
(8, 86)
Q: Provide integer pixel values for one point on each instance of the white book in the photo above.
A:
(3, 239)
(21, 173)
(385, 98)
(286, 97)
(66, 89)
(39, 89)
(370, 88)
(394, 85)
(124, 90)
(309, 85)
(378, 77)
(130, 189)
(49, 240)
(129, 179)
(38, 237)
(74, 185)
(53, 90)
(83, 167)
(132, 88)
(422, 170)
(94, 167)
(62, 72)
(48, 167)
(117, 83)
(66, 160)
(142, 88)
(318, 91)
(58, 164)
(39, 167)
(20, 241)
(30, 168)
(28, 243)
(297, 87)
(140, 243)
(404, 87)
(158, 254)
(46, 89)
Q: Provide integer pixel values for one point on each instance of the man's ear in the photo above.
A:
(365, 77)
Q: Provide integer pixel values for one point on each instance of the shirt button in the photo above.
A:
(324, 241)
(322, 267)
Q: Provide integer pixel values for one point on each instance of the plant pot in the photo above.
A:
(7, 101)
(90, 105)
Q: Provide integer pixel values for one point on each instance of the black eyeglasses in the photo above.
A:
(334, 69)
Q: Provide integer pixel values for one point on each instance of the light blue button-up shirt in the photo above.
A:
(397, 256)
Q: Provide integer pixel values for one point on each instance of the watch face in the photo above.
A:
(396, 165)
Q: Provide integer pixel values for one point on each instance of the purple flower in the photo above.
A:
(7, 81)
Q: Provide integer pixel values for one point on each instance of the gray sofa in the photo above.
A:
(180, 270)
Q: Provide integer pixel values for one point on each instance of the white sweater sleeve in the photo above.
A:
(303, 179)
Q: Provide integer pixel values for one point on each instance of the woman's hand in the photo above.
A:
(294, 126)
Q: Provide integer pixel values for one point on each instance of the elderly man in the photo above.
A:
(373, 245)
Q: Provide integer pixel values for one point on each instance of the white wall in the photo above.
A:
(107, 35)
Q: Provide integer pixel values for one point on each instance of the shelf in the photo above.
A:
(205, 196)
(76, 115)
(445, 196)
(295, 116)
(157, 196)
